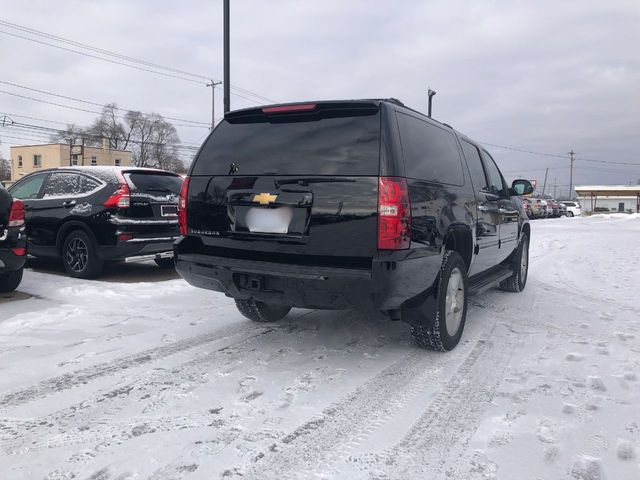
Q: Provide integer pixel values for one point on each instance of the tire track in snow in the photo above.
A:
(443, 431)
(16, 434)
(85, 375)
(313, 446)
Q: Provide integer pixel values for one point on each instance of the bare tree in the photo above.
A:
(153, 140)
(5, 169)
(73, 135)
(108, 126)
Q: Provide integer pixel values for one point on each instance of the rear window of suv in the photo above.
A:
(345, 145)
(154, 182)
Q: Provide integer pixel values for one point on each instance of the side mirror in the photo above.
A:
(522, 187)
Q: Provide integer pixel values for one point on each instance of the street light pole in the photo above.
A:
(431, 93)
(227, 100)
(571, 153)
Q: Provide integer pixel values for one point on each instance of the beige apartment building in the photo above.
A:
(26, 159)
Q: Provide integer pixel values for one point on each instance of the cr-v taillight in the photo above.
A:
(182, 207)
(394, 214)
(121, 198)
(16, 216)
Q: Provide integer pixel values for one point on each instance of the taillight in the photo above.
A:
(121, 198)
(19, 251)
(394, 214)
(16, 216)
(182, 207)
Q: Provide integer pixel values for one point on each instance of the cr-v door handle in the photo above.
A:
(69, 203)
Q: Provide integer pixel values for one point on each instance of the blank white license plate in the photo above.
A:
(269, 220)
(169, 210)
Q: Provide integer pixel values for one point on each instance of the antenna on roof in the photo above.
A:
(431, 93)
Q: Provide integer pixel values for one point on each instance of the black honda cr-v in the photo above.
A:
(351, 204)
(89, 215)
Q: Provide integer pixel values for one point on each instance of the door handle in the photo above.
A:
(507, 212)
(482, 208)
(70, 203)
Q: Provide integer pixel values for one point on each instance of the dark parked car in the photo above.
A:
(89, 215)
(13, 252)
(351, 204)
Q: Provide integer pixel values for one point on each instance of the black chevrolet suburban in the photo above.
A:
(13, 252)
(362, 204)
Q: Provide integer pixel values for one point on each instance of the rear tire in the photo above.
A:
(569, 214)
(518, 280)
(165, 263)
(261, 312)
(9, 281)
(79, 256)
(446, 330)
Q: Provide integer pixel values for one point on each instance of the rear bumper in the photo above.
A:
(390, 284)
(9, 239)
(137, 249)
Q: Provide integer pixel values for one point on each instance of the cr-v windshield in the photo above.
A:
(154, 182)
(345, 145)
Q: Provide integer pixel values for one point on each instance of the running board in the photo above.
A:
(485, 282)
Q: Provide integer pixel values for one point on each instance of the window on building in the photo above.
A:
(94, 161)
(37, 160)
(117, 162)
(19, 161)
(74, 159)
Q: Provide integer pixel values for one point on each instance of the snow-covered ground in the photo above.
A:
(111, 381)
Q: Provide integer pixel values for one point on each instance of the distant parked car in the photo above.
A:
(573, 209)
(546, 210)
(12, 242)
(89, 215)
(555, 209)
(562, 208)
(536, 208)
(526, 205)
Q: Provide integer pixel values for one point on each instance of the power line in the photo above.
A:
(84, 109)
(88, 102)
(568, 157)
(175, 72)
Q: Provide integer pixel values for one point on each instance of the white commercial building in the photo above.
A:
(615, 198)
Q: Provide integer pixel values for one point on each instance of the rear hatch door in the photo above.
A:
(153, 202)
(296, 184)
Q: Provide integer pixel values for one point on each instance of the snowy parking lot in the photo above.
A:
(140, 375)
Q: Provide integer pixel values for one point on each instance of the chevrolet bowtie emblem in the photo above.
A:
(265, 198)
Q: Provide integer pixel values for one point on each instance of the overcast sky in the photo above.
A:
(547, 75)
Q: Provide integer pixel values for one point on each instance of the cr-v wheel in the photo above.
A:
(79, 256)
(446, 330)
(262, 312)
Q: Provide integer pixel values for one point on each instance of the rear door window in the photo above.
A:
(430, 152)
(155, 183)
(347, 145)
(494, 177)
(475, 165)
(63, 184)
(29, 188)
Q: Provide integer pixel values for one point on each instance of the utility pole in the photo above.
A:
(70, 152)
(555, 184)
(227, 100)
(571, 153)
(431, 93)
(544, 185)
(213, 85)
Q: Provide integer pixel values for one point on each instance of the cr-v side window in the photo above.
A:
(476, 170)
(494, 177)
(430, 152)
(29, 188)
